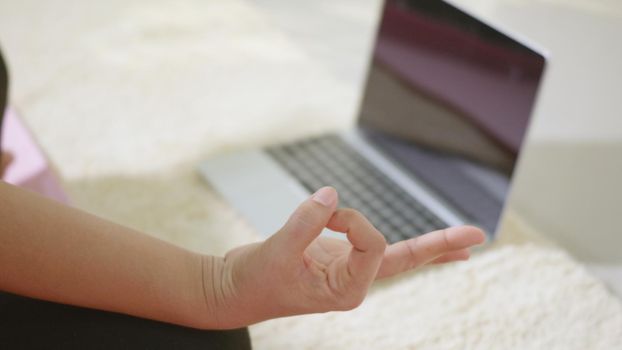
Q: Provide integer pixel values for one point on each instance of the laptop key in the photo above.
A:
(328, 160)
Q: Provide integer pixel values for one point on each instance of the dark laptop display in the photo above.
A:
(449, 99)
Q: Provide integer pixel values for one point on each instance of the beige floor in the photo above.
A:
(128, 96)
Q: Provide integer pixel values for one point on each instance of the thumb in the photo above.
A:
(308, 221)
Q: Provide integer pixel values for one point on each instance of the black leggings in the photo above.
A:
(4, 92)
(34, 324)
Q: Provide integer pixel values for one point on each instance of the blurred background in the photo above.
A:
(127, 97)
(180, 64)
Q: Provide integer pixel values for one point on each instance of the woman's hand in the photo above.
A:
(297, 272)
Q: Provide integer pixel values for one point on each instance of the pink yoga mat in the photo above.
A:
(30, 167)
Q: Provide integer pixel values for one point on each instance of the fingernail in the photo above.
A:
(325, 196)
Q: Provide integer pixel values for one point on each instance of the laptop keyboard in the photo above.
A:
(328, 160)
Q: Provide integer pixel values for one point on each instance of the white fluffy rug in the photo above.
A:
(128, 96)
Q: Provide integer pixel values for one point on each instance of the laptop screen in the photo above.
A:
(449, 98)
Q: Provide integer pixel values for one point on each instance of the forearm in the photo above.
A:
(53, 252)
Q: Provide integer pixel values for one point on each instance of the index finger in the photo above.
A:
(409, 254)
(368, 244)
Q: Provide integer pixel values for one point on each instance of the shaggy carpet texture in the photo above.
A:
(127, 97)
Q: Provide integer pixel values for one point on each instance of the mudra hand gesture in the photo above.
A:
(297, 271)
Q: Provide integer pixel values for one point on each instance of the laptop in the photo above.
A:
(442, 119)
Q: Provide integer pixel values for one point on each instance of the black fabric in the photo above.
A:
(34, 324)
(4, 91)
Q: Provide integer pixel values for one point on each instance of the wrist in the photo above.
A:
(212, 297)
(235, 294)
